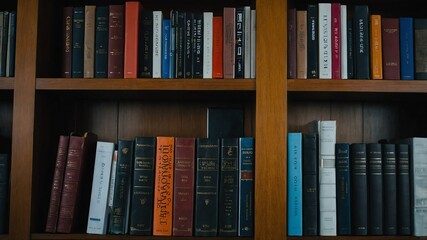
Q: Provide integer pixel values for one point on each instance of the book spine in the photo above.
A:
(229, 30)
(344, 42)
(116, 41)
(336, 40)
(145, 47)
(253, 44)
(217, 48)
(350, 49)
(2, 39)
(325, 38)
(247, 42)
(295, 184)
(406, 30)
(361, 41)
(206, 192)
(342, 153)
(4, 192)
(89, 42)
(389, 188)
(132, 12)
(101, 42)
(418, 174)
(142, 201)
(403, 190)
(11, 44)
(112, 184)
(157, 44)
(376, 47)
(172, 60)
(180, 44)
(198, 45)
(166, 38)
(183, 202)
(67, 41)
(78, 42)
(246, 186)
(420, 27)
(188, 45)
(301, 44)
(163, 186)
(4, 36)
(359, 189)
(310, 187)
(240, 43)
(375, 189)
(312, 42)
(207, 44)
(390, 41)
(292, 43)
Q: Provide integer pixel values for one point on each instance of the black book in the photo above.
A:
(188, 59)
(206, 196)
(197, 70)
(358, 189)
(180, 31)
(375, 189)
(101, 41)
(145, 46)
(310, 186)
(312, 42)
(389, 187)
(3, 42)
(342, 164)
(403, 190)
(4, 192)
(361, 42)
(239, 49)
(141, 211)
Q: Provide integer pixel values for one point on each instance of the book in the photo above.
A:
(225, 122)
(312, 42)
(292, 43)
(157, 43)
(376, 48)
(206, 187)
(325, 40)
(145, 46)
(358, 189)
(301, 26)
(112, 185)
(163, 186)
(142, 195)
(188, 44)
(229, 29)
(67, 41)
(350, 49)
(207, 44)
(131, 25)
(116, 34)
(119, 218)
(389, 188)
(246, 219)
(336, 40)
(253, 44)
(184, 182)
(247, 42)
(3, 42)
(4, 192)
(310, 188)
(407, 64)
(57, 183)
(344, 42)
(75, 195)
(97, 222)
(217, 47)
(89, 42)
(390, 41)
(172, 57)
(198, 45)
(180, 26)
(375, 189)
(11, 43)
(295, 184)
(342, 164)
(361, 42)
(101, 42)
(239, 67)
(403, 190)
(228, 187)
(77, 52)
(166, 47)
(420, 48)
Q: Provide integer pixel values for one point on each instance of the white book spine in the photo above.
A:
(157, 44)
(89, 42)
(247, 42)
(344, 49)
(419, 188)
(253, 43)
(98, 210)
(325, 47)
(207, 44)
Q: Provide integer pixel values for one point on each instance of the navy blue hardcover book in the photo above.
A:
(246, 186)
(166, 47)
(342, 163)
(101, 41)
(78, 42)
(406, 30)
(188, 45)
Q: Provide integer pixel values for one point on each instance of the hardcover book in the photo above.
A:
(292, 43)
(145, 46)
(67, 41)
(325, 40)
(132, 13)
(310, 187)
(225, 122)
(301, 44)
(116, 32)
(77, 52)
(11, 43)
(253, 44)
(207, 44)
(188, 45)
(358, 189)
(420, 48)
(312, 42)
(4, 25)
(4, 192)
(101, 42)
(350, 48)
(180, 26)
(403, 189)
(240, 43)
(229, 29)
(389, 188)
(247, 42)
(217, 47)
(361, 41)
(342, 153)
(198, 30)
(295, 184)
(391, 57)
(375, 189)
(376, 47)
(246, 186)
(336, 40)
(344, 42)
(166, 47)
(407, 64)
(89, 42)
(157, 44)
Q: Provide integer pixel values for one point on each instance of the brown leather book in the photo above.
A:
(391, 57)
(116, 41)
(67, 41)
(89, 42)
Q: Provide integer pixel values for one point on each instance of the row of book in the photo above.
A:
(334, 41)
(129, 41)
(160, 186)
(355, 188)
(7, 43)
(4, 192)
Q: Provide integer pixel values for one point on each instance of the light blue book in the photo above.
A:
(166, 48)
(406, 29)
(295, 184)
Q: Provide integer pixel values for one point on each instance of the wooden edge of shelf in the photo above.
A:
(345, 85)
(145, 84)
(73, 236)
(7, 83)
(352, 237)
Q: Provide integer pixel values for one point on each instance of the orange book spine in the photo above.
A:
(376, 47)
(132, 10)
(163, 186)
(217, 71)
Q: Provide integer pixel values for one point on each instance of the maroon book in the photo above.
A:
(116, 33)
(184, 187)
(292, 43)
(229, 38)
(67, 41)
(390, 42)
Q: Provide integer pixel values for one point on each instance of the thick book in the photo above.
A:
(358, 189)
(132, 14)
(188, 45)
(157, 43)
(225, 122)
(420, 48)
(11, 43)
(145, 45)
(75, 198)
(295, 184)
(375, 189)
(166, 47)
(312, 42)
(197, 46)
(206, 187)
(403, 190)
(344, 42)
(77, 49)
(376, 48)
(301, 44)
(67, 41)
(163, 186)
(119, 218)
(116, 34)
(389, 188)
(101, 42)
(292, 43)
(361, 42)
(183, 198)
(228, 187)
(4, 192)
(406, 46)
(390, 41)
(229, 28)
(336, 40)
(97, 221)
(342, 163)
(239, 67)
(325, 40)
(246, 220)
(57, 183)
(207, 44)
(89, 42)
(310, 188)
(142, 195)
(217, 47)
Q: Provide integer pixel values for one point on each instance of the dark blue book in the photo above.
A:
(188, 45)
(389, 188)
(361, 42)
(294, 184)
(145, 45)
(11, 43)
(310, 188)
(3, 42)
(228, 187)
(141, 210)
(101, 41)
(246, 186)
(312, 42)
(350, 48)
(78, 42)
(375, 189)
(403, 188)
(239, 67)
(342, 164)
(166, 47)
(4, 192)
(207, 186)
(358, 189)
(197, 45)
(406, 30)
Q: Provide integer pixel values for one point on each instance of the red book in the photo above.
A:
(67, 41)
(229, 29)
(116, 41)
(132, 12)
(390, 39)
(183, 187)
(336, 40)
(217, 51)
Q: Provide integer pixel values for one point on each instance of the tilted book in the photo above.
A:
(342, 163)
(295, 184)
(359, 189)
(246, 186)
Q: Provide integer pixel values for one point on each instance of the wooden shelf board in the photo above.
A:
(7, 83)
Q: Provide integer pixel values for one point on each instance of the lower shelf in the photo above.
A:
(49, 236)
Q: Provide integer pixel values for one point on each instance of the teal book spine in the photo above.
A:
(295, 184)
(246, 186)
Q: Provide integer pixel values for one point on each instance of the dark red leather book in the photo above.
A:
(116, 41)
(391, 57)
(67, 41)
